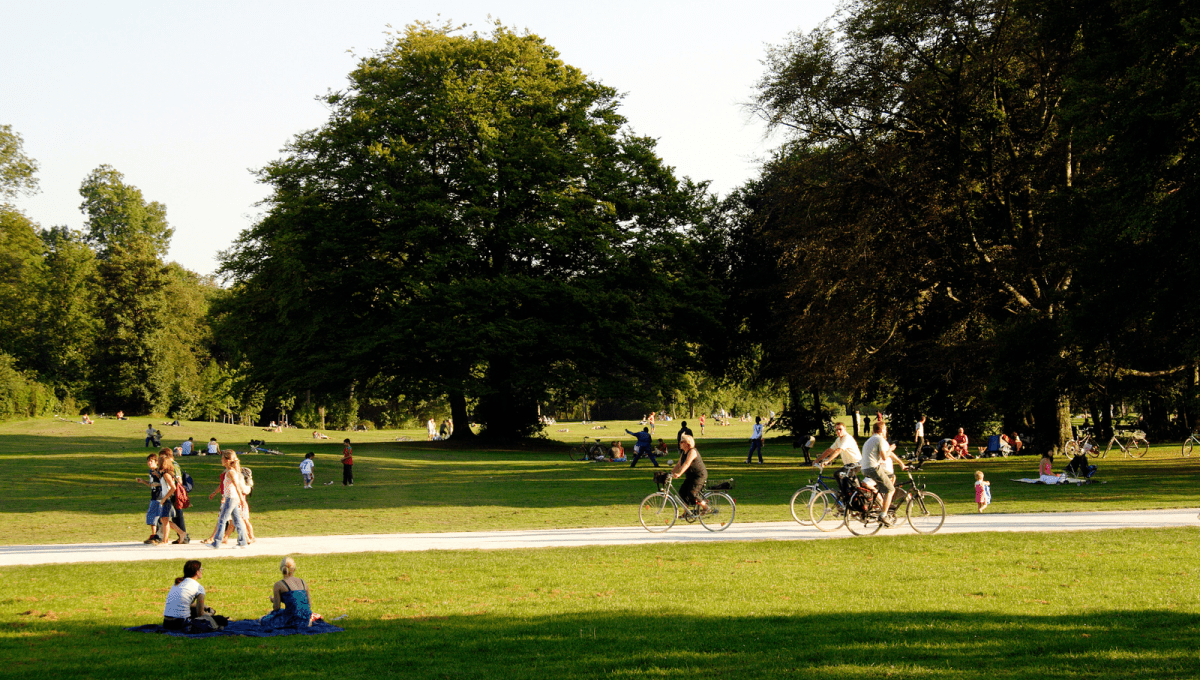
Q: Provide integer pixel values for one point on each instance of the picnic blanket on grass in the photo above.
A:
(1068, 480)
(246, 627)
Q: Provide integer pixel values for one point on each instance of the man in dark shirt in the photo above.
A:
(643, 447)
(683, 429)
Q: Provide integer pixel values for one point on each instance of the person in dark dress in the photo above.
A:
(691, 468)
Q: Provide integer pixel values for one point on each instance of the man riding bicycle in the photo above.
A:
(844, 444)
(877, 458)
(691, 468)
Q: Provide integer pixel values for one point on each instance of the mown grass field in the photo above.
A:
(1112, 604)
(67, 483)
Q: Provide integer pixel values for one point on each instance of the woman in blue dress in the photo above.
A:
(292, 605)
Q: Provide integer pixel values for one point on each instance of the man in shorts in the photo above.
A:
(877, 458)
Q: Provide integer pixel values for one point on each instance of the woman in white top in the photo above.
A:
(232, 495)
(186, 599)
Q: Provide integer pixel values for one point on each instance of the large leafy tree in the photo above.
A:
(473, 220)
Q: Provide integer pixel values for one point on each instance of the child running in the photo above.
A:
(306, 470)
(983, 491)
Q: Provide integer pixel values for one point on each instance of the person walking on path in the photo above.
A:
(155, 485)
(643, 447)
(232, 494)
(756, 441)
(347, 464)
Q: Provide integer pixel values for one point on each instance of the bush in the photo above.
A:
(20, 395)
(366, 424)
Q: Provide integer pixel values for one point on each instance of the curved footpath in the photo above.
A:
(631, 535)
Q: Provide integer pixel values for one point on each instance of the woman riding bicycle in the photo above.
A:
(691, 468)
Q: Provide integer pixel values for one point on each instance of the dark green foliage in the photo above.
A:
(472, 221)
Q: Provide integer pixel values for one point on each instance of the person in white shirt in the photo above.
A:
(844, 444)
(306, 470)
(877, 458)
(186, 599)
(186, 447)
(756, 441)
(919, 435)
(213, 447)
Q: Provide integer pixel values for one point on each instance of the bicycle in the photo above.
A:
(1074, 447)
(827, 509)
(805, 495)
(587, 450)
(1136, 447)
(1188, 444)
(660, 510)
(924, 510)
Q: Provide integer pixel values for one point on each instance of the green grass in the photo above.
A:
(1113, 604)
(67, 483)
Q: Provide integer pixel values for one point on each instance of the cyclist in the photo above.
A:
(691, 468)
(877, 458)
(845, 445)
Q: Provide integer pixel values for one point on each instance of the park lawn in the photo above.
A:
(1106, 604)
(66, 483)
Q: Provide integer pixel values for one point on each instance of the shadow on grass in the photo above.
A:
(1114, 643)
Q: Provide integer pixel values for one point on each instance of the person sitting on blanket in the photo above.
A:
(617, 453)
(186, 600)
(1046, 469)
(292, 594)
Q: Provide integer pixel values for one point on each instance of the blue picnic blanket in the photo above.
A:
(246, 627)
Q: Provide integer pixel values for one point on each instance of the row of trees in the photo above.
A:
(983, 211)
(95, 319)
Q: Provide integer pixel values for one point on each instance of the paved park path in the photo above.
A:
(630, 535)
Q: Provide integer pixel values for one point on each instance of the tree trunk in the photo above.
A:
(458, 415)
(1053, 420)
(816, 396)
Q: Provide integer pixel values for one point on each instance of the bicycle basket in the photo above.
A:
(726, 485)
(660, 478)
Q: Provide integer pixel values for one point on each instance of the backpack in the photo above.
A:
(248, 475)
(188, 482)
(181, 497)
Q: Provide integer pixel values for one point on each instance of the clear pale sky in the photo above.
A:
(186, 98)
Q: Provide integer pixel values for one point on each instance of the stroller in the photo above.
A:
(1079, 468)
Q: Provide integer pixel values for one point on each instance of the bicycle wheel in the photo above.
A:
(926, 512)
(799, 505)
(862, 522)
(1106, 449)
(721, 510)
(658, 512)
(1186, 450)
(825, 512)
(1138, 448)
(1070, 448)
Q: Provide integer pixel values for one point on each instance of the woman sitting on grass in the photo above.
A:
(617, 453)
(292, 595)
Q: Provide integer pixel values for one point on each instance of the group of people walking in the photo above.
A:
(169, 487)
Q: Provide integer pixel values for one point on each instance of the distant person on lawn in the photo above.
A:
(643, 447)
(347, 464)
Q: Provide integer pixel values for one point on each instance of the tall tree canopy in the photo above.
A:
(933, 215)
(473, 220)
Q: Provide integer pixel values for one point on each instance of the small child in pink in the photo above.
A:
(983, 491)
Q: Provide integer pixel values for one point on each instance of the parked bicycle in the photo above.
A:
(924, 510)
(594, 450)
(1134, 446)
(1188, 445)
(660, 510)
(1078, 445)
